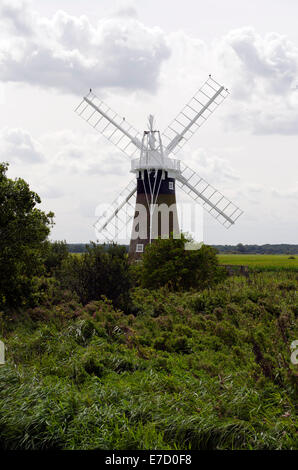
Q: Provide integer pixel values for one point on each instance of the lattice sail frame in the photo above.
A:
(124, 136)
(112, 126)
(118, 215)
(219, 206)
(193, 115)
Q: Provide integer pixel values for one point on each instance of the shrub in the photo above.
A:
(54, 255)
(98, 272)
(168, 263)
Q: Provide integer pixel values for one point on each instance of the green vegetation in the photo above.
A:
(187, 370)
(55, 253)
(262, 262)
(101, 270)
(166, 262)
(164, 354)
(23, 230)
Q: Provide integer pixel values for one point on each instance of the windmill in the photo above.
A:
(157, 171)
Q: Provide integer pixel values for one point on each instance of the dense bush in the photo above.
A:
(98, 272)
(54, 254)
(167, 262)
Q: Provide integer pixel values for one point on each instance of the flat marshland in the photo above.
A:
(262, 262)
(205, 369)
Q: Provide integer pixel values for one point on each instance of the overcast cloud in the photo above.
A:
(263, 74)
(48, 59)
(17, 145)
(66, 52)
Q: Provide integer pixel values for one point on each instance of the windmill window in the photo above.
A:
(171, 185)
(140, 248)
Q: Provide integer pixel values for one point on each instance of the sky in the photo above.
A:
(144, 57)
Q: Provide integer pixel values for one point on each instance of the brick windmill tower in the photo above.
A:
(157, 171)
(155, 212)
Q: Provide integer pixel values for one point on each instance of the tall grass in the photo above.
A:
(194, 370)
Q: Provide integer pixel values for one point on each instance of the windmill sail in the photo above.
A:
(115, 218)
(112, 126)
(193, 115)
(220, 207)
(151, 156)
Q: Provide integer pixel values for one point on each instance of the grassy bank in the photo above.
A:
(194, 370)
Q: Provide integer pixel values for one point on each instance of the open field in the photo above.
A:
(257, 262)
(262, 262)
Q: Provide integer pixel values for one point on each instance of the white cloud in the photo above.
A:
(214, 169)
(124, 57)
(263, 72)
(50, 191)
(86, 153)
(70, 53)
(290, 193)
(64, 151)
(126, 11)
(17, 16)
(271, 57)
(17, 145)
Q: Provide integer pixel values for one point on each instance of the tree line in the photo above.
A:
(267, 249)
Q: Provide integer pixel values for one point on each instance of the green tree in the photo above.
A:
(23, 230)
(100, 271)
(241, 248)
(54, 254)
(166, 262)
